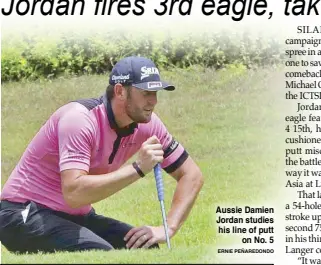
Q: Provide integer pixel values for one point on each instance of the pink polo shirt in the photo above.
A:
(82, 135)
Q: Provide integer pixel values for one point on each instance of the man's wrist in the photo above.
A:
(171, 230)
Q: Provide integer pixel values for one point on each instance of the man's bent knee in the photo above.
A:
(90, 245)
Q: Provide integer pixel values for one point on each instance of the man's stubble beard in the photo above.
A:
(135, 113)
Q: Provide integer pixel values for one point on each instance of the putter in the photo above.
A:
(160, 192)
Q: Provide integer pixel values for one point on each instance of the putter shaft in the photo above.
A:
(165, 224)
(160, 193)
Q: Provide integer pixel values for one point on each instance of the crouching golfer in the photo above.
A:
(75, 160)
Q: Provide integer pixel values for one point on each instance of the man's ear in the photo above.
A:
(120, 92)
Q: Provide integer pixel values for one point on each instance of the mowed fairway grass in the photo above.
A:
(228, 121)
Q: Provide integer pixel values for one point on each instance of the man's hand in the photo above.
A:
(150, 154)
(145, 236)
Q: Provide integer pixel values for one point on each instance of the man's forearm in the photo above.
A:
(184, 197)
(89, 189)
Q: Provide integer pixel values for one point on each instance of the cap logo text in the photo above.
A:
(120, 78)
(154, 84)
(147, 71)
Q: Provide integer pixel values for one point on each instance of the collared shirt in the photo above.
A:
(82, 135)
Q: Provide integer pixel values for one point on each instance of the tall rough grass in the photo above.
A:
(34, 56)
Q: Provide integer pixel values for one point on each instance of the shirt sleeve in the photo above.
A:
(75, 137)
(174, 153)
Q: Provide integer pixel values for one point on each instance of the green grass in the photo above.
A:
(229, 122)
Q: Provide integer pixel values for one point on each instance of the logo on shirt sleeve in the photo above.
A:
(171, 148)
(74, 154)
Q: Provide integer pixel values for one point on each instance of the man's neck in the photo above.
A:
(121, 118)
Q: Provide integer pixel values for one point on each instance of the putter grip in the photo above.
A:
(159, 182)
